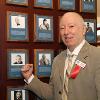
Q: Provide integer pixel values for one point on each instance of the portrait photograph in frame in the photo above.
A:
(17, 26)
(66, 4)
(90, 35)
(18, 2)
(16, 58)
(43, 28)
(17, 93)
(43, 3)
(88, 6)
(43, 62)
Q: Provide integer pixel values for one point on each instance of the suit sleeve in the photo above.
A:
(97, 79)
(43, 90)
(96, 58)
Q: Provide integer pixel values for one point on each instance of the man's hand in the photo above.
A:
(27, 71)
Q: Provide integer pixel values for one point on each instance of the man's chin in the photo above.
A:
(70, 45)
(67, 43)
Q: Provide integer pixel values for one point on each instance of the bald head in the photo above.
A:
(72, 16)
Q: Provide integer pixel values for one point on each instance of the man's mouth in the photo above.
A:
(68, 38)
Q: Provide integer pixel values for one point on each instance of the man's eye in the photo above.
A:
(71, 26)
(61, 27)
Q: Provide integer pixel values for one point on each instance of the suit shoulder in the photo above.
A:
(95, 49)
(60, 55)
(94, 53)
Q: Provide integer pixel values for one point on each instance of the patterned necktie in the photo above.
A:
(69, 63)
(68, 70)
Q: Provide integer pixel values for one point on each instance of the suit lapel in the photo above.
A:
(83, 54)
(62, 66)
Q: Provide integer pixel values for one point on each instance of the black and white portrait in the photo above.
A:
(44, 24)
(17, 22)
(17, 59)
(44, 59)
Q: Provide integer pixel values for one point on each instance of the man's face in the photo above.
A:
(17, 20)
(72, 30)
(18, 94)
(43, 56)
(45, 22)
(18, 59)
(88, 25)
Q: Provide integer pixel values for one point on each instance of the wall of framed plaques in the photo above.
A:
(24, 39)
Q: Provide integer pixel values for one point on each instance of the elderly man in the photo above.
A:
(74, 79)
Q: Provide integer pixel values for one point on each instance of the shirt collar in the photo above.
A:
(77, 49)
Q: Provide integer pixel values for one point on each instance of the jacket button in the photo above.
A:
(60, 92)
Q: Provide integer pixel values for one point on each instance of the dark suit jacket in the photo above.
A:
(86, 86)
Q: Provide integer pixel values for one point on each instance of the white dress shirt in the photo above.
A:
(75, 53)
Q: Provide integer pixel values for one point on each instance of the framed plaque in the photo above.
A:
(43, 28)
(17, 26)
(16, 59)
(17, 93)
(90, 30)
(43, 3)
(66, 4)
(43, 62)
(88, 6)
(18, 2)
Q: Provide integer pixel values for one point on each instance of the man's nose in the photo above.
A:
(66, 30)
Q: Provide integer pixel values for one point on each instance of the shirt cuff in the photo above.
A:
(30, 79)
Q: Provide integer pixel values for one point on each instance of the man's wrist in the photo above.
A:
(30, 79)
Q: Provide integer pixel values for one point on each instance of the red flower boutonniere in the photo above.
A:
(76, 69)
(74, 72)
